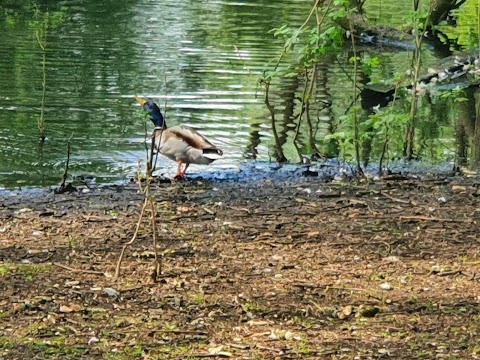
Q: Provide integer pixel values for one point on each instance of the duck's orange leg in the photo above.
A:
(184, 170)
(179, 169)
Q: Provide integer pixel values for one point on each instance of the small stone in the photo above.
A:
(347, 310)
(442, 199)
(386, 286)
(37, 233)
(177, 300)
(111, 292)
(276, 258)
(93, 340)
(392, 259)
(385, 352)
(16, 307)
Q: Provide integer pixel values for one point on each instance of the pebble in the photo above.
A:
(93, 340)
(386, 286)
(111, 292)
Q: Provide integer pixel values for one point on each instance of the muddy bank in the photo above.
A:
(262, 269)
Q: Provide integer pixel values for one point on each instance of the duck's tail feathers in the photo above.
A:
(213, 153)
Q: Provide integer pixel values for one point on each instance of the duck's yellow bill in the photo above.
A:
(140, 100)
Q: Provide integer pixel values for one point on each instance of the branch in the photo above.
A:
(120, 258)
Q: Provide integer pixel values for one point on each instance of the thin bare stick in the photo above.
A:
(428, 218)
(120, 258)
(150, 166)
(148, 200)
(158, 265)
(194, 332)
(302, 110)
(78, 270)
(217, 355)
(356, 124)
(65, 173)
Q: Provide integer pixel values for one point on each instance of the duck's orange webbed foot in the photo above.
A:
(184, 170)
(181, 173)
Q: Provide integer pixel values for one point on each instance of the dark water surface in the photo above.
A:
(202, 58)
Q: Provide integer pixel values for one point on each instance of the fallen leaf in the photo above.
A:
(70, 308)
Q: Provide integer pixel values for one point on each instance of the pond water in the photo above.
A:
(202, 59)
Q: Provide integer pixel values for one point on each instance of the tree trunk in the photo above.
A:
(441, 9)
(475, 161)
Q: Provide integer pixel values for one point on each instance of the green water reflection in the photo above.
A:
(202, 58)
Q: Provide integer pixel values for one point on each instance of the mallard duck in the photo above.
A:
(179, 143)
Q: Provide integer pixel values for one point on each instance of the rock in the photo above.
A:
(111, 292)
(93, 340)
(386, 286)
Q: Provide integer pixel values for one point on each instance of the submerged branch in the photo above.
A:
(278, 148)
(65, 172)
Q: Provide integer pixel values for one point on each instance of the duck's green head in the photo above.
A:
(153, 110)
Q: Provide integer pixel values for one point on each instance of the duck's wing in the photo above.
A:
(186, 144)
(191, 136)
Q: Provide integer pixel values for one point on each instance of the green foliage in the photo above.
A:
(31, 9)
(199, 298)
(307, 44)
(369, 63)
(343, 140)
(416, 19)
(43, 20)
(457, 95)
(3, 270)
(385, 123)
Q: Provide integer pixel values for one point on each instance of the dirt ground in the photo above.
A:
(250, 270)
